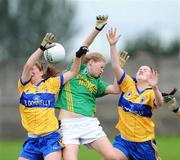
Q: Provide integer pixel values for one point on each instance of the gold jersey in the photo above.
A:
(135, 111)
(37, 105)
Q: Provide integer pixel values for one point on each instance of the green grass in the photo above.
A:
(168, 149)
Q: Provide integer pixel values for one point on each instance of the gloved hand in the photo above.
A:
(123, 57)
(172, 103)
(47, 41)
(82, 50)
(101, 21)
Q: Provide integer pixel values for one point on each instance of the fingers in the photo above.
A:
(155, 73)
(101, 21)
(113, 33)
(50, 37)
(124, 55)
(51, 45)
(102, 17)
(169, 93)
(168, 98)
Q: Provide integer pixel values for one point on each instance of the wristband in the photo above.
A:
(175, 110)
(82, 50)
(42, 48)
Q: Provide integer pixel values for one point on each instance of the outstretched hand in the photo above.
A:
(112, 36)
(123, 57)
(172, 104)
(47, 41)
(101, 21)
(153, 80)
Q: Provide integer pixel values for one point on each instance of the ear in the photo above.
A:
(42, 73)
(91, 61)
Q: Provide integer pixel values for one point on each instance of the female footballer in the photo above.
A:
(77, 103)
(37, 88)
(136, 139)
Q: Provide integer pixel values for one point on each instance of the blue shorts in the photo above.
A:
(37, 148)
(136, 150)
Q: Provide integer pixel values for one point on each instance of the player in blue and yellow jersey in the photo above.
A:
(37, 90)
(77, 103)
(140, 96)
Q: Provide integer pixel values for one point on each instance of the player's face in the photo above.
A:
(143, 73)
(36, 73)
(97, 68)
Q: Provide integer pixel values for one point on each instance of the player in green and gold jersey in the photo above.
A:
(77, 103)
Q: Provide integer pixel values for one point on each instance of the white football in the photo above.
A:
(54, 54)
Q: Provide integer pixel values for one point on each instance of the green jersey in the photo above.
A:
(79, 94)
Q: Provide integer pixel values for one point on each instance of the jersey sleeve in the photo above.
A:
(21, 85)
(102, 85)
(57, 83)
(125, 82)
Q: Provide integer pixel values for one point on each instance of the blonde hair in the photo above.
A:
(95, 56)
(48, 70)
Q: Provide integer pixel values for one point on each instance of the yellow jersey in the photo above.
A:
(135, 111)
(37, 105)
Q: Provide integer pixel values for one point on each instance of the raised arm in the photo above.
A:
(114, 88)
(113, 39)
(75, 67)
(153, 81)
(46, 43)
(101, 21)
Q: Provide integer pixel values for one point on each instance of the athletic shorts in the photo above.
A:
(136, 150)
(36, 147)
(81, 130)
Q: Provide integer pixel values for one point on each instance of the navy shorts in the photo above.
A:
(136, 150)
(37, 148)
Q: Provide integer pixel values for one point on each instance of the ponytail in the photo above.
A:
(49, 70)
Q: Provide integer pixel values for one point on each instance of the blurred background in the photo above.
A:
(150, 32)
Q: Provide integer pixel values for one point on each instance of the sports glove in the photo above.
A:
(82, 50)
(47, 41)
(101, 21)
(123, 57)
(172, 103)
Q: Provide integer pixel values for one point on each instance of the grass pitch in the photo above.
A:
(168, 149)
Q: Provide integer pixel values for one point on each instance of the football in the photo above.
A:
(55, 54)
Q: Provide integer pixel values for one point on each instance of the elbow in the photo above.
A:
(160, 104)
(27, 66)
(74, 73)
(115, 67)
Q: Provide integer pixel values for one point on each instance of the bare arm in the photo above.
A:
(73, 71)
(89, 39)
(113, 88)
(178, 112)
(113, 39)
(46, 43)
(153, 81)
(101, 21)
(26, 74)
(159, 100)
